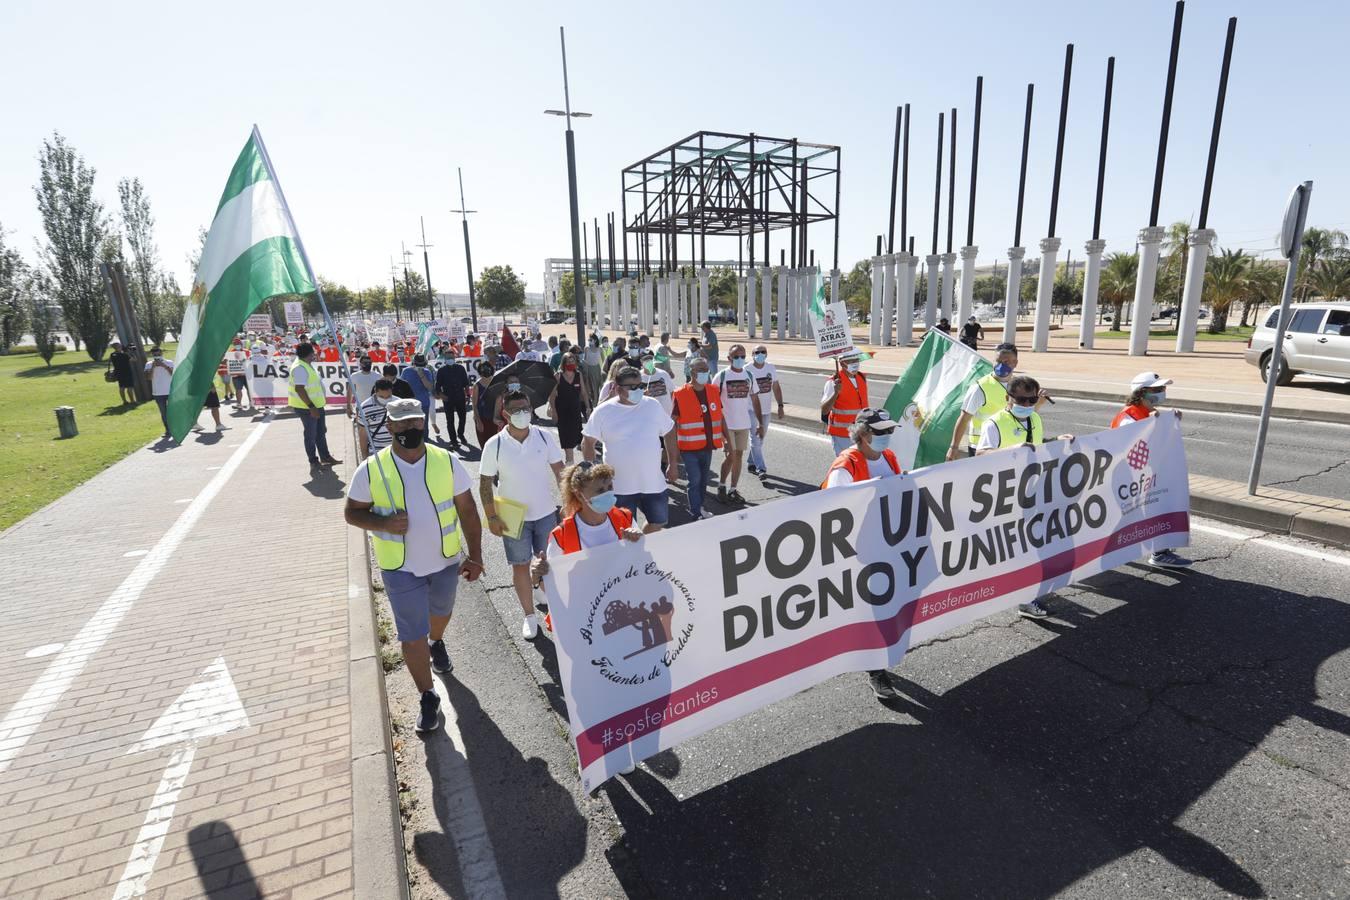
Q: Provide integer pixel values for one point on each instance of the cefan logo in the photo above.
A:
(1138, 455)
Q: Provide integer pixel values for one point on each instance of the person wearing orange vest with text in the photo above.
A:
(1148, 391)
(699, 430)
(845, 396)
(869, 457)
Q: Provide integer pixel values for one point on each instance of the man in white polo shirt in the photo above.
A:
(160, 371)
(767, 390)
(522, 462)
(742, 414)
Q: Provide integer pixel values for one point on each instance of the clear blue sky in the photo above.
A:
(368, 108)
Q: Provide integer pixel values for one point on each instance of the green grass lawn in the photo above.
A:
(1234, 333)
(36, 466)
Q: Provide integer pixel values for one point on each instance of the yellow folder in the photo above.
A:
(512, 514)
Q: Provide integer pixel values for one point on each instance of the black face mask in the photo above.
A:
(365, 367)
(411, 439)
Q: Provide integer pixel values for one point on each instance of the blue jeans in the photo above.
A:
(840, 443)
(698, 470)
(316, 435)
(757, 448)
(533, 539)
(163, 404)
(655, 507)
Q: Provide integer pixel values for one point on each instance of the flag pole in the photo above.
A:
(318, 292)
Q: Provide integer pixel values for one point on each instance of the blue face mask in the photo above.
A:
(1155, 398)
(737, 362)
(603, 503)
(1022, 412)
(701, 377)
(1002, 370)
(760, 357)
(881, 442)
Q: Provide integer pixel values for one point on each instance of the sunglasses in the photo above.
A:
(633, 387)
(1025, 401)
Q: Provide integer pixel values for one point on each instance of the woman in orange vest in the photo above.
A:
(869, 457)
(845, 396)
(699, 430)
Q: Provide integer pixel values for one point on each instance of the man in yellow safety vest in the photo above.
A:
(417, 503)
(305, 395)
(986, 397)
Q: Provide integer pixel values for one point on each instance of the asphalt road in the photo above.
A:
(1311, 457)
(1161, 734)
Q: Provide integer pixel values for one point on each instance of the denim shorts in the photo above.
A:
(533, 539)
(655, 507)
(414, 599)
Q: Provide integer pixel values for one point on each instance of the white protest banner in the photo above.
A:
(268, 381)
(295, 312)
(660, 640)
(234, 364)
(458, 331)
(829, 322)
(258, 323)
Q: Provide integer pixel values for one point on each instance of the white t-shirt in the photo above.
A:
(876, 468)
(661, 388)
(525, 469)
(766, 377)
(632, 439)
(364, 383)
(737, 389)
(160, 377)
(422, 543)
(589, 535)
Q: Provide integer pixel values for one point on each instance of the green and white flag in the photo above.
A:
(251, 254)
(934, 386)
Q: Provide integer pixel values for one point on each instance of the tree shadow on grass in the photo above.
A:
(45, 371)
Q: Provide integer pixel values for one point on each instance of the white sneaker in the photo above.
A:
(706, 515)
(529, 629)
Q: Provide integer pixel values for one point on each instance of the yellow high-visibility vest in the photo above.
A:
(995, 399)
(439, 473)
(315, 384)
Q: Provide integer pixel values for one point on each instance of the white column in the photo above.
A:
(967, 302)
(878, 279)
(765, 302)
(1013, 293)
(1045, 290)
(907, 270)
(740, 301)
(1149, 240)
(706, 313)
(948, 303)
(1092, 280)
(1201, 240)
(751, 303)
(887, 298)
(781, 274)
(930, 311)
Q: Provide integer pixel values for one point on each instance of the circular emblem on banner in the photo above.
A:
(1138, 455)
(638, 624)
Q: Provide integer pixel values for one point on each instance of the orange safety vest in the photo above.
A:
(848, 402)
(690, 431)
(1132, 413)
(853, 460)
(569, 540)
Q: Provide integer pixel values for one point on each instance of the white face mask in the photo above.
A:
(520, 419)
(383, 400)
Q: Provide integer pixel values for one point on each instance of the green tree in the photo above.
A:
(1225, 282)
(1330, 279)
(77, 230)
(500, 289)
(13, 313)
(339, 298)
(43, 314)
(138, 225)
(375, 299)
(855, 288)
(1265, 284)
(1171, 278)
(1318, 244)
(1117, 283)
(722, 288)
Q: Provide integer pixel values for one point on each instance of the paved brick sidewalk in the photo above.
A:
(255, 588)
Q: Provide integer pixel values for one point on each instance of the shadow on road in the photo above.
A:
(222, 868)
(1025, 778)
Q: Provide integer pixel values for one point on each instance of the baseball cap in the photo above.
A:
(1148, 380)
(399, 410)
(877, 419)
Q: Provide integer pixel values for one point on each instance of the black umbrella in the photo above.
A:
(536, 379)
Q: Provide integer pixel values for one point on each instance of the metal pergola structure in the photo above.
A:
(712, 183)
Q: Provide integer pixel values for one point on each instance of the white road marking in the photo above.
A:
(207, 707)
(44, 650)
(788, 429)
(26, 716)
(1327, 555)
(463, 815)
(185, 500)
(131, 553)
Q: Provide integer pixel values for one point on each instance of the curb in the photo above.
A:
(379, 861)
(1335, 417)
(1292, 519)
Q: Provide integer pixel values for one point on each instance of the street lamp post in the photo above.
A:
(426, 264)
(568, 115)
(468, 258)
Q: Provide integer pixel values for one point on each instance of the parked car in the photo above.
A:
(1317, 342)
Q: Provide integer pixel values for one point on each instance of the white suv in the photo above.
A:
(1317, 342)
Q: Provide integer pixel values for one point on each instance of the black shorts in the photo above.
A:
(239, 381)
(212, 400)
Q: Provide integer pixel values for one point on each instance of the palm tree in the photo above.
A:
(1265, 284)
(1225, 281)
(1117, 284)
(1175, 244)
(1318, 244)
(1330, 280)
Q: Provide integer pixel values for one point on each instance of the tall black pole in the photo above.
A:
(793, 235)
(623, 229)
(974, 162)
(1166, 114)
(1218, 121)
(431, 301)
(937, 187)
(750, 198)
(951, 182)
(1059, 139)
(904, 184)
(598, 251)
(468, 257)
(895, 174)
(1101, 156)
(610, 224)
(1022, 177)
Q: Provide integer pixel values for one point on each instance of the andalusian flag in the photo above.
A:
(934, 386)
(251, 254)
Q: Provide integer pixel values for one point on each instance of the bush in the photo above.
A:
(29, 348)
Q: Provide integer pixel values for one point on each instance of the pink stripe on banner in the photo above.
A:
(738, 679)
